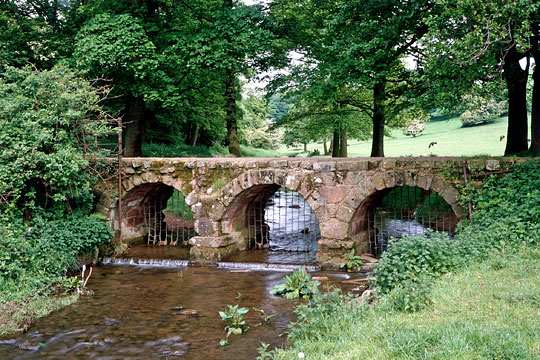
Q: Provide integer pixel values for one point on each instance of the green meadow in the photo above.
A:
(451, 139)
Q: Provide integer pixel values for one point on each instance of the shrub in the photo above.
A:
(297, 285)
(414, 128)
(48, 249)
(506, 216)
(50, 121)
(411, 257)
(481, 111)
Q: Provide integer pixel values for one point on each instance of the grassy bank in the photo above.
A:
(489, 310)
(18, 311)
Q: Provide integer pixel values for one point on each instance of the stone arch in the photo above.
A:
(380, 184)
(138, 194)
(257, 187)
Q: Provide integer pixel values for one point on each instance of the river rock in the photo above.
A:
(29, 346)
(320, 278)
(188, 312)
(368, 258)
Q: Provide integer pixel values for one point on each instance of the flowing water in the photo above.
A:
(146, 312)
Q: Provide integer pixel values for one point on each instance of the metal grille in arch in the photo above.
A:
(285, 222)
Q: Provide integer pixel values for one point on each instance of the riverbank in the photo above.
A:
(19, 311)
(488, 310)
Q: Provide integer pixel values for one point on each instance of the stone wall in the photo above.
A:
(338, 190)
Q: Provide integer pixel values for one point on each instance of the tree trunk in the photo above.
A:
(335, 144)
(535, 106)
(136, 126)
(195, 135)
(516, 82)
(343, 144)
(325, 148)
(377, 146)
(305, 147)
(230, 114)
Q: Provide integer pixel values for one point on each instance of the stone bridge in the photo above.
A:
(338, 190)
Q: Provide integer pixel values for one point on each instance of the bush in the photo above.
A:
(50, 121)
(48, 249)
(412, 257)
(414, 128)
(481, 111)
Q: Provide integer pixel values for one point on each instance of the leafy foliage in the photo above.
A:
(234, 317)
(411, 257)
(310, 322)
(353, 261)
(50, 121)
(297, 285)
(43, 253)
(481, 111)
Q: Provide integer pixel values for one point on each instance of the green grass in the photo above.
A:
(19, 309)
(489, 310)
(177, 206)
(451, 138)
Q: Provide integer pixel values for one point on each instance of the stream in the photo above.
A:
(146, 312)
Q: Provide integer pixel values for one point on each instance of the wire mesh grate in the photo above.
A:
(284, 222)
(406, 211)
(168, 222)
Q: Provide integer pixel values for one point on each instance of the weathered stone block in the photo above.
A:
(212, 241)
(438, 184)
(493, 165)
(166, 170)
(212, 254)
(324, 166)
(216, 211)
(389, 164)
(198, 210)
(292, 181)
(349, 165)
(278, 163)
(344, 213)
(334, 194)
(205, 226)
(411, 178)
(334, 229)
(378, 181)
(353, 178)
(450, 195)
(192, 198)
(129, 171)
(390, 179)
(424, 181)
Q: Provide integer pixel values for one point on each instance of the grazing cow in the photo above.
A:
(501, 138)
(432, 144)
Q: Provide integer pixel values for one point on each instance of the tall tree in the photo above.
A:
(361, 46)
(479, 40)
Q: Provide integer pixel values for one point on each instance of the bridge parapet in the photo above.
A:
(338, 190)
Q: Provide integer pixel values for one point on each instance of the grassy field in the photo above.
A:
(489, 310)
(451, 138)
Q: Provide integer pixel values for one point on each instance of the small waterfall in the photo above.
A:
(172, 263)
(265, 266)
(166, 263)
